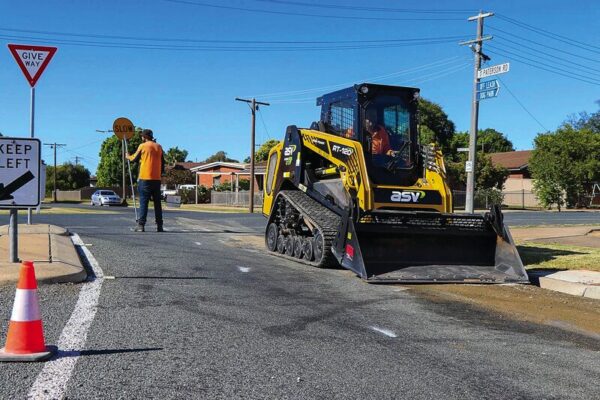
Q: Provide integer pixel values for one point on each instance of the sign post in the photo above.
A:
(20, 163)
(32, 60)
(124, 129)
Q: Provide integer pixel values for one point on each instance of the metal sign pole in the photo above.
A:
(13, 228)
(131, 181)
(31, 130)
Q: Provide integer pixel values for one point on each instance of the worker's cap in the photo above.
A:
(147, 133)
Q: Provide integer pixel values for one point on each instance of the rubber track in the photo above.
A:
(320, 216)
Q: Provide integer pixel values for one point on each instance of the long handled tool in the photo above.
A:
(131, 180)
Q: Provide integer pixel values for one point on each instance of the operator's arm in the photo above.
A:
(162, 161)
(135, 156)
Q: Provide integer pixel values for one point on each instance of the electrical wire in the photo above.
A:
(364, 8)
(520, 56)
(298, 14)
(554, 57)
(263, 123)
(504, 85)
(550, 68)
(140, 46)
(439, 63)
(543, 45)
(183, 40)
(552, 35)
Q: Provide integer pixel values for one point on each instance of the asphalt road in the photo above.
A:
(201, 312)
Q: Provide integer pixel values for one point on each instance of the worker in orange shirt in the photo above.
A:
(380, 140)
(152, 163)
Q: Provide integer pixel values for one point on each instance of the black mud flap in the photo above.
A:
(431, 247)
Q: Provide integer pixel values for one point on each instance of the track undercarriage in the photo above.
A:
(291, 233)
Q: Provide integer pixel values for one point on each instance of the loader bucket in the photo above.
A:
(422, 247)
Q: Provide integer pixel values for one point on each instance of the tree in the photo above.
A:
(109, 171)
(174, 155)
(178, 176)
(434, 125)
(219, 156)
(487, 175)
(68, 177)
(489, 140)
(565, 163)
(262, 154)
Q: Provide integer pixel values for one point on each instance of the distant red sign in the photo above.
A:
(32, 60)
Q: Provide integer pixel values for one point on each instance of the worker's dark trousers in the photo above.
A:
(149, 189)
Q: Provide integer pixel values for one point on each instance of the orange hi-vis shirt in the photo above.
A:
(150, 155)
(380, 142)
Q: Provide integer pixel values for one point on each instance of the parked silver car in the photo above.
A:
(105, 198)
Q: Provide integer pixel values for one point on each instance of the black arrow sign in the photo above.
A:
(5, 191)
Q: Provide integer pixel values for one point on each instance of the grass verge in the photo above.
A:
(557, 256)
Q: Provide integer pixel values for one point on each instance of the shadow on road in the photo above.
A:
(63, 354)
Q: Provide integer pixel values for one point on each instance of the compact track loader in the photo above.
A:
(358, 190)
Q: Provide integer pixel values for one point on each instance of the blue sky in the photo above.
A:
(187, 96)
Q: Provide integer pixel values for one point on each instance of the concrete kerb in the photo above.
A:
(52, 250)
(580, 283)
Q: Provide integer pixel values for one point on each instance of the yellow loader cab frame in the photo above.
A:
(357, 189)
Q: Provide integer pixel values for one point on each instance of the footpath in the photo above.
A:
(582, 283)
(50, 248)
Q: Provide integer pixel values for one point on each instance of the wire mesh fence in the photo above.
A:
(523, 199)
(239, 199)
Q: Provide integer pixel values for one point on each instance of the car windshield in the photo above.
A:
(387, 129)
(107, 193)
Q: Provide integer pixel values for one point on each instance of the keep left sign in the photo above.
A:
(20, 160)
(32, 60)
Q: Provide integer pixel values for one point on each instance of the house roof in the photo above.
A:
(188, 164)
(259, 168)
(512, 160)
(217, 164)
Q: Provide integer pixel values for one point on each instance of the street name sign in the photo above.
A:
(123, 128)
(493, 70)
(462, 149)
(488, 85)
(20, 160)
(487, 94)
(32, 60)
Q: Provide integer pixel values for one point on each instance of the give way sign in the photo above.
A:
(32, 60)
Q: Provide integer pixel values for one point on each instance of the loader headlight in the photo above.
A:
(364, 89)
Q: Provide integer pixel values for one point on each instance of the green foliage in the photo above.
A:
(174, 155)
(228, 186)
(68, 177)
(175, 176)
(434, 125)
(188, 196)
(110, 171)
(488, 140)
(219, 156)
(488, 196)
(565, 162)
(262, 154)
(487, 175)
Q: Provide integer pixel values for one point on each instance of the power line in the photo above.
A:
(263, 124)
(544, 45)
(364, 8)
(551, 68)
(521, 104)
(186, 40)
(552, 35)
(540, 66)
(435, 64)
(142, 46)
(263, 11)
(502, 40)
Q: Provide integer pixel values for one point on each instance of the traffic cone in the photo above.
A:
(25, 338)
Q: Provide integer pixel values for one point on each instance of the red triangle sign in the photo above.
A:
(32, 60)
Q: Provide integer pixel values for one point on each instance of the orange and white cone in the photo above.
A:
(25, 338)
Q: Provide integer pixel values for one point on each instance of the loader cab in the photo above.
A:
(383, 119)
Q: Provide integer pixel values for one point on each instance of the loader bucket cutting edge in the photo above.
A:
(441, 249)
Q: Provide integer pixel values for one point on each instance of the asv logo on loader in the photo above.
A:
(407, 196)
(289, 150)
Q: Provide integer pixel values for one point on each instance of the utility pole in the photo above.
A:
(253, 106)
(54, 146)
(477, 49)
(77, 158)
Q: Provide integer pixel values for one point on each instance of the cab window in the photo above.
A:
(341, 119)
(271, 172)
